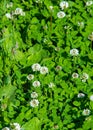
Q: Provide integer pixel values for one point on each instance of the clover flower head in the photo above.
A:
(74, 52)
(81, 24)
(18, 11)
(75, 75)
(89, 3)
(91, 97)
(64, 4)
(30, 77)
(86, 112)
(6, 128)
(61, 14)
(90, 37)
(51, 85)
(81, 95)
(15, 126)
(34, 95)
(43, 70)
(51, 8)
(8, 15)
(84, 77)
(36, 84)
(36, 67)
(58, 68)
(34, 103)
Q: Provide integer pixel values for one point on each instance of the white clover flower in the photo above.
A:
(8, 15)
(88, 3)
(86, 112)
(36, 84)
(19, 11)
(30, 77)
(36, 67)
(15, 126)
(6, 128)
(58, 68)
(90, 37)
(81, 95)
(51, 85)
(61, 14)
(64, 4)
(34, 103)
(9, 5)
(75, 75)
(91, 97)
(84, 77)
(74, 52)
(81, 24)
(51, 8)
(43, 70)
(34, 95)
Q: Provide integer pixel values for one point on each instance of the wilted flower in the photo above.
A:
(58, 68)
(74, 52)
(57, 48)
(88, 3)
(34, 95)
(61, 14)
(84, 77)
(15, 126)
(36, 84)
(64, 4)
(44, 70)
(36, 67)
(55, 127)
(30, 77)
(91, 97)
(6, 128)
(90, 37)
(34, 103)
(81, 95)
(86, 112)
(9, 5)
(8, 15)
(75, 75)
(51, 85)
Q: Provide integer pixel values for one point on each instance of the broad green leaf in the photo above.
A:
(33, 124)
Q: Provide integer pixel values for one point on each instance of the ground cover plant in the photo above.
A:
(46, 65)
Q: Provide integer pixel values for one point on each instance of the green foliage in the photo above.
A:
(32, 32)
